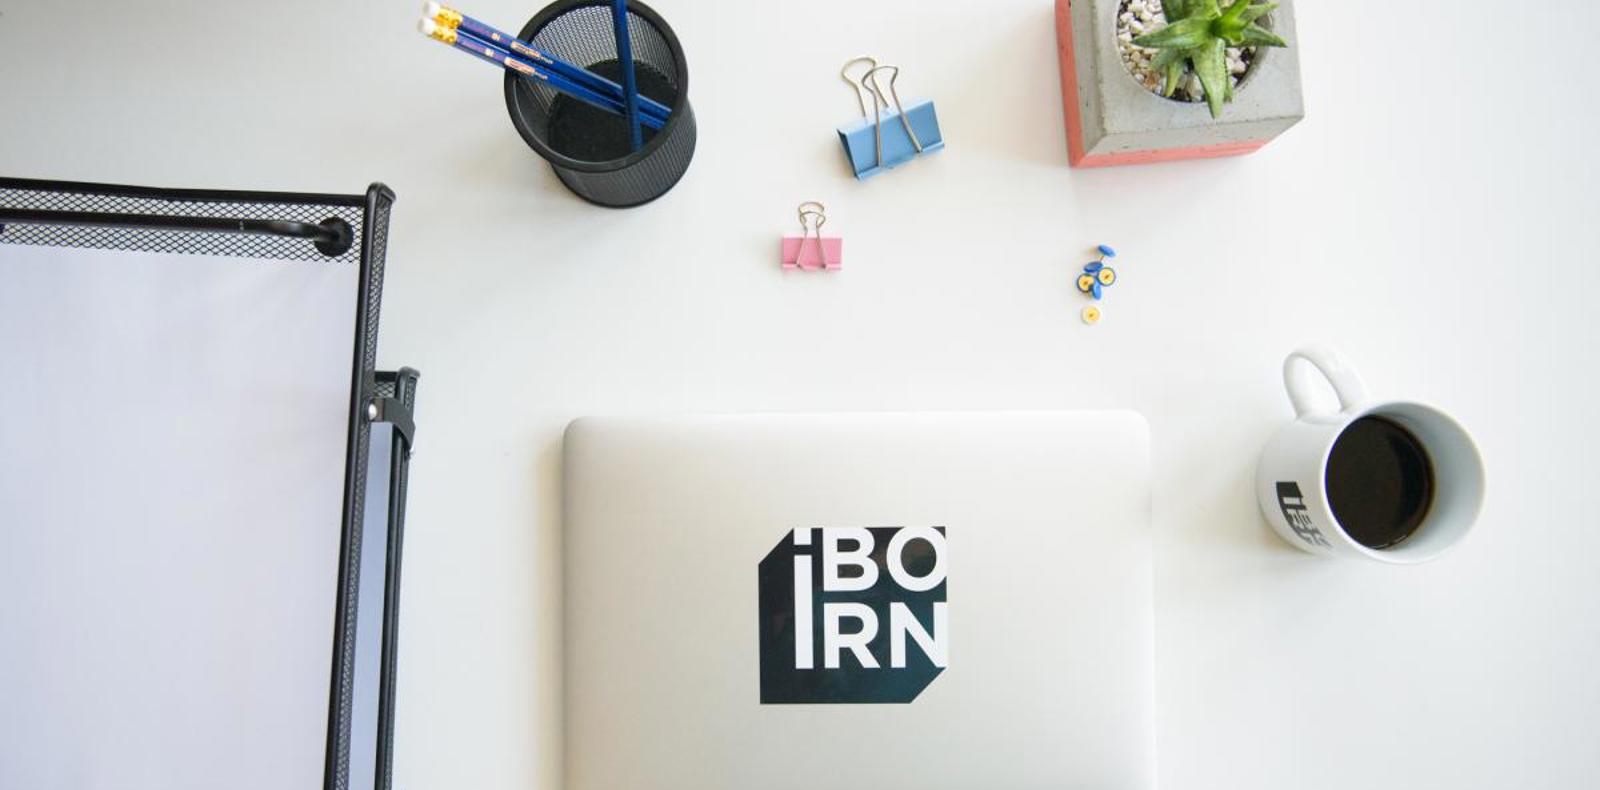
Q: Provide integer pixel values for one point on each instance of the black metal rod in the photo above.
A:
(405, 393)
(333, 236)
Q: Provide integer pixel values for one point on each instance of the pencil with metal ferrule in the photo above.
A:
(453, 18)
(630, 88)
(489, 53)
(566, 86)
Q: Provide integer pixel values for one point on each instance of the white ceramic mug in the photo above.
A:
(1291, 480)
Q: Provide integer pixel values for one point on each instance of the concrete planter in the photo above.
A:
(1113, 120)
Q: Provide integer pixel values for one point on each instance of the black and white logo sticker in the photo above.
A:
(1293, 505)
(853, 615)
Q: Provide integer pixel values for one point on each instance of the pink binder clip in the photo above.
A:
(811, 251)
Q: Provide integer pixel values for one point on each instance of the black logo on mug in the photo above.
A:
(853, 615)
(1294, 510)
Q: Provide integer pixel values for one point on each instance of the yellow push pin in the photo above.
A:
(1108, 276)
(1091, 315)
(1086, 283)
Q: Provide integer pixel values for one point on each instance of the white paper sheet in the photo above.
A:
(172, 451)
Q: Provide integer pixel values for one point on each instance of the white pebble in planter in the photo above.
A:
(1114, 119)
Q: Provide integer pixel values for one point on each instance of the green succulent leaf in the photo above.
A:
(1175, 72)
(1233, 13)
(1173, 63)
(1211, 64)
(1198, 35)
(1231, 24)
(1167, 57)
(1255, 12)
(1258, 36)
(1187, 34)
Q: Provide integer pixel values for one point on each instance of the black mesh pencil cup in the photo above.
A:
(589, 148)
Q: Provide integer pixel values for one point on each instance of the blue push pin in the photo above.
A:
(1097, 276)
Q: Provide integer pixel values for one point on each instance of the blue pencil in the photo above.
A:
(630, 88)
(450, 17)
(490, 53)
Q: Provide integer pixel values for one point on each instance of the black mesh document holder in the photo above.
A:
(318, 229)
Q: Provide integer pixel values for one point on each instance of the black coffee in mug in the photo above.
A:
(1379, 481)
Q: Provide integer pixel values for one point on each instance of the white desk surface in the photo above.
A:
(1432, 217)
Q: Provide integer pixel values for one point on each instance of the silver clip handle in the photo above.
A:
(905, 122)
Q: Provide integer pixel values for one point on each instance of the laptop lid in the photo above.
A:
(900, 601)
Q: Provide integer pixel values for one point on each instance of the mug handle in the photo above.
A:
(1347, 383)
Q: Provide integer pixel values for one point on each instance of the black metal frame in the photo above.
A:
(394, 403)
(333, 236)
(344, 229)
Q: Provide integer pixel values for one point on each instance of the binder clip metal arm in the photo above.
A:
(899, 109)
(864, 94)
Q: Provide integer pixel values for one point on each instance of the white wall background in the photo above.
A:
(1432, 217)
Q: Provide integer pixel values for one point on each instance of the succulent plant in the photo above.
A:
(1198, 34)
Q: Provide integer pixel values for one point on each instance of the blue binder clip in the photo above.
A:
(891, 134)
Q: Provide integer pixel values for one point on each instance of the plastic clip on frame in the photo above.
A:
(275, 225)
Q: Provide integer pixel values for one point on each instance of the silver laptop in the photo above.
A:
(860, 602)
